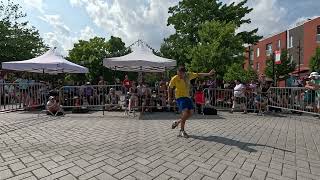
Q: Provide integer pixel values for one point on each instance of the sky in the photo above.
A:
(62, 23)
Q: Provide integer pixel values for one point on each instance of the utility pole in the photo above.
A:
(273, 69)
(299, 61)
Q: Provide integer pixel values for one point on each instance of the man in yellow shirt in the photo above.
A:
(181, 83)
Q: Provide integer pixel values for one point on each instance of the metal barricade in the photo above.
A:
(112, 98)
(231, 100)
(22, 96)
(294, 99)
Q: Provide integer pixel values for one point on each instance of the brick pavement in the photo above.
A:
(231, 146)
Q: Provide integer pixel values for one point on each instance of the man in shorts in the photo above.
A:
(181, 83)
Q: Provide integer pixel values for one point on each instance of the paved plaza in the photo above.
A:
(92, 146)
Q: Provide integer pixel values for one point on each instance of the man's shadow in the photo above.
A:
(230, 142)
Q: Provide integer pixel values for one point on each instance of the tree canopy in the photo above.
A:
(281, 71)
(189, 18)
(237, 72)
(315, 61)
(218, 47)
(18, 41)
(91, 54)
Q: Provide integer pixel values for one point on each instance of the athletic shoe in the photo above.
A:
(183, 134)
(174, 124)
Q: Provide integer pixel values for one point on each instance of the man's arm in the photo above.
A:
(211, 73)
(312, 86)
(170, 90)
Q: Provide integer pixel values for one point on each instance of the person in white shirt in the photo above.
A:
(239, 96)
(53, 107)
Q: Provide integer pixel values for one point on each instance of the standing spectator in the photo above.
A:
(2, 85)
(162, 91)
(101, 89)
(239, 96)
(314, 84)
(126, 83)
(23, 87)
(88, 93)
(101, 81)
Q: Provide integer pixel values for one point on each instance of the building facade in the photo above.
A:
(300, 41)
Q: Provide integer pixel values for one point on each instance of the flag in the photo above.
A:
(277, 57)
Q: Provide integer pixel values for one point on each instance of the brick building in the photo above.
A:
(303, 38)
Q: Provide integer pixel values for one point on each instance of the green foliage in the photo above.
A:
(237, 72)
(281, 71)
(18, 41)
(251, 74)
(219, 47)
(188, 18)
(91, 54)
(315, 61)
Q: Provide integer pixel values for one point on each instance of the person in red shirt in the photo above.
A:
(126, 83)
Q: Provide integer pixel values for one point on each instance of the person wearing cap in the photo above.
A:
(112, 100)
(314, 84)
(181, 83)
(53, 107)
(88, 92)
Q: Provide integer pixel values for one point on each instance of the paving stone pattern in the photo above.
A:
(92, 146)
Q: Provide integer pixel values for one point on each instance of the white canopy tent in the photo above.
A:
(140, 60)
(49, 63)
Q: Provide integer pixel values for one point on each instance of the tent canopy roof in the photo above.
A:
(49, 63)
(141, 59)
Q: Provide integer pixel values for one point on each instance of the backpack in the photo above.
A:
(209, 110)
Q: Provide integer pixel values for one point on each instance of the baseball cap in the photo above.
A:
(313, 74)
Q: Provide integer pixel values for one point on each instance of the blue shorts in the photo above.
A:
(184, 103)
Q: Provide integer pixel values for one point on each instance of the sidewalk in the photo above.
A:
(228, 146)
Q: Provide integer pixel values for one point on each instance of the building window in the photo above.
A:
(269, 49)
(258, 67)
(318, 34)
(251, 55)
(291, 42)
(279, 44)
(291, 58)
(258, 52)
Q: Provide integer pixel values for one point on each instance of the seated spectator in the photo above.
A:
(112, 100)
(239, 96)
(53, 107)
(274, 102)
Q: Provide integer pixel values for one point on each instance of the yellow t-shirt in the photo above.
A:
(182, 89)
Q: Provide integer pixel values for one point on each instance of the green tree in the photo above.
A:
(315, 61)
(237, 72)
(18, 41)
(218, 47)
(281, 71)
(251, 74)
(188, 18)
(91, 54)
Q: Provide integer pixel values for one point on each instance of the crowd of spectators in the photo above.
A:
(142, 96)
